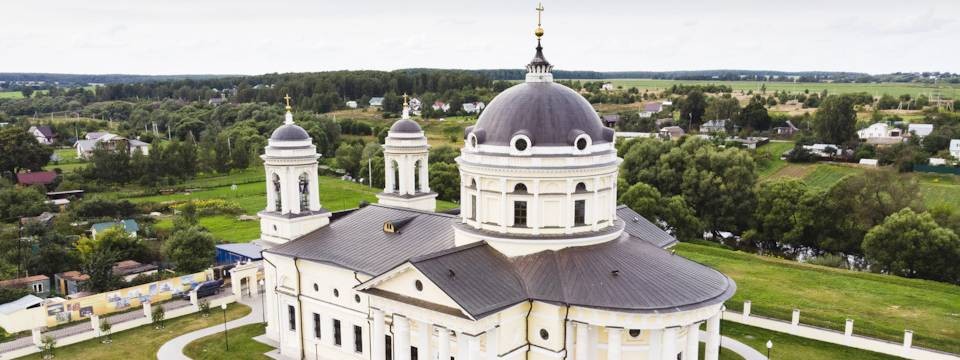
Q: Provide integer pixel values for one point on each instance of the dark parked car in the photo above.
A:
(204, 289)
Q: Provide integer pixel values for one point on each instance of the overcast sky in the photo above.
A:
(255, 37)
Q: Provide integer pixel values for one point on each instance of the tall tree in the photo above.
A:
(671, 214)
(445, 181)
(190, 250)
(692, 109)
(913, 245)
(836, 120)
(20, 151)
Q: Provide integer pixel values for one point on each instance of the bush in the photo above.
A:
(830, 260)
(158, 315)
(204, 308)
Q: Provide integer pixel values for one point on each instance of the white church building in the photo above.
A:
(539, 263)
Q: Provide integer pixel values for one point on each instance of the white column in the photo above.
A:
(493, 344)
(656, 343)
(583, 342)
(848, 328)
(746, 309)
(147, 309)
(443, 343)
(36, 334)
(567, 210)
(314, 188)
(503, 205)
(388, 179)
(712, 350)
(534, 216)
(795, 318)
(692, 350)
(614, 343)
(669, 350)
(424, 335)
(462, 350)
(402, 338)
(907, 339)
(473, 348)
(594, 209)
(378, 345)
(425, 174)
(95, 323)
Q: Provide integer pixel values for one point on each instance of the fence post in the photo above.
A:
(147, 310)
(795, 319)
(193, 301)
(95, 324)
(848, 329)
(37, 336)
(907, 340)
(746, 309)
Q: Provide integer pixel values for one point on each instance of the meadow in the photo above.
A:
(881, 306)
(951, 91)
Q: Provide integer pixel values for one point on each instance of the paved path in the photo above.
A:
(745, 351)
(173, 349)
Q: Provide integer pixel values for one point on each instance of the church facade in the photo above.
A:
(539, 263)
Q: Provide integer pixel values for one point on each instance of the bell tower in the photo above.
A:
(405, 155)
(293, 192)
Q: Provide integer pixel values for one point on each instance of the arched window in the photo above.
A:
(520, 188)
(277, 195)
(304, 192)
(581, 187)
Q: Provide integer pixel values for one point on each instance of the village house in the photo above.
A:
(36, 178)
(440, 106)
(610, 120)
(714, 126)
(38, 285)
(70, 283)
(376, 102)
(878, 130)
(920, 130)
(128, 225)
(474, 107)
(607, 87)
(43, 133)
(109, 142)
(651, 108)
(671, 133)
(786, 129)
(351, 104)
(955, 148)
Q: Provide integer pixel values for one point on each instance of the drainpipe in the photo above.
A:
(303, 352)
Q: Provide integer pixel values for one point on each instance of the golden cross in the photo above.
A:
(287, 97)
(539, 12)
(404, 98)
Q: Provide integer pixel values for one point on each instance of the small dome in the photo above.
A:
(289, 132)
(405, 126)
(550, 112)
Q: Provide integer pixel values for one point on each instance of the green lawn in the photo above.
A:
(11, 95)
(789, 347)
(223, 227)
(143, 342)
(775, 149)
(826, 175)
(242, 345)
(882, 306)
(951, 91)
(940, 190)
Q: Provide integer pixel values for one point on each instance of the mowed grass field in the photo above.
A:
(951, 91)
(881, 306)
(143, 342)
(789, 347)
(242, 345)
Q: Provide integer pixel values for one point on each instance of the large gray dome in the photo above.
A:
(405, 126)
(289, 132)
(551, 113)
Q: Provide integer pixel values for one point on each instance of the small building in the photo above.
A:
(884, 141)
(607, 87)
(38, 285)
(751, 143)
(878, 130)
(440, 106)
(474, 107)
(870, 162)
(920, 130)
(610, 120)
(415, 104)
(109, 142)
(787, 129)
(633, 135)
(43, 133)
(45, 219)
(937, 162)
(234, 253)
(824, 150)
(129, 269)
(714, 126)
(351, 104)
(672, 133)
(128, 225)
(376, 102)
(36, 178)
(955, 148)
(69, 282)
(217, 100)
(651, 108)
(23, 314)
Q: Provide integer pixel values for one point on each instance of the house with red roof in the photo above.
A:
(36, 177)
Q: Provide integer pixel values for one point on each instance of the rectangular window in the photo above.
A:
(292, 317)
(579, 212)
(357, 339)
(413, 353)
(473, 207)
(389, 347)
(316, 325)
(38, 287)
(519, 213)
(336, 333)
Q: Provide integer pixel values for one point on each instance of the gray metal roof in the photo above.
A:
(627, 274)
(641, 228)
(357, 241)
(405, 126)
(289, 132)
(549, 111)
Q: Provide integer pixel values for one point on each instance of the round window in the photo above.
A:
(544, 334)
(316, 287)
(336, 293)
(581, 144)
(634, 333)
(473, 141)
(419, 285)
(356, 298)
(521, 144)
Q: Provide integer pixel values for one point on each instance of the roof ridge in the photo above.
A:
(414, 210)
(448, 251)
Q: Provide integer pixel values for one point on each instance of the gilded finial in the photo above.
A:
(287, 98)
(539, 31)
(405, 99)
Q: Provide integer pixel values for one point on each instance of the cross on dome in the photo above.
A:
(538, 70)
(288, 117)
